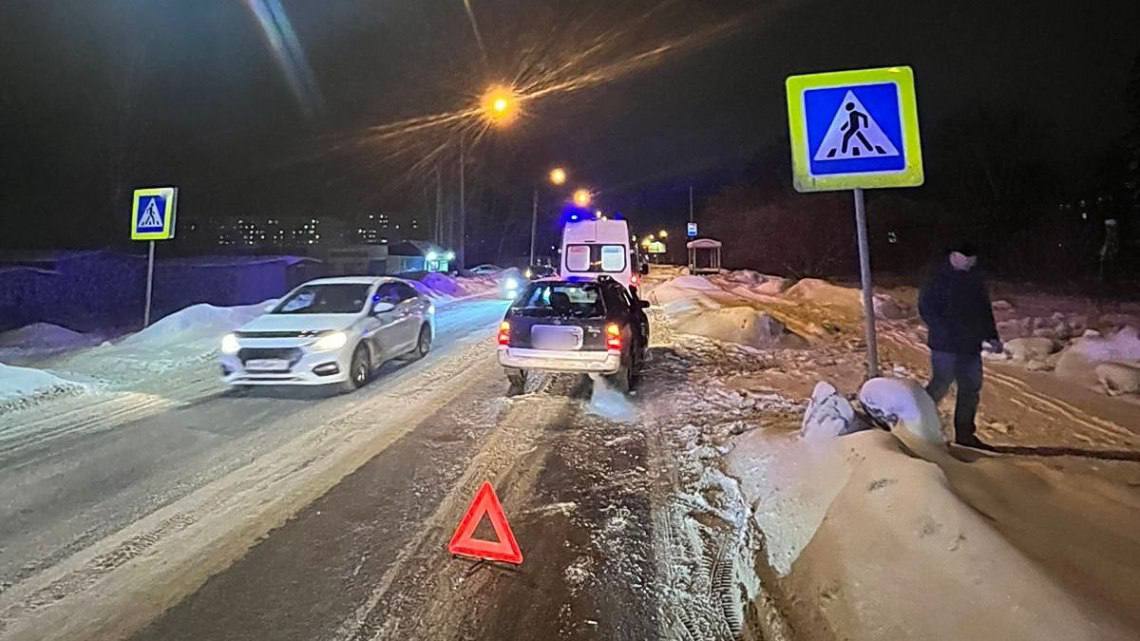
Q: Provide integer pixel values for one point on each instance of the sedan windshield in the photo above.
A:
(344, 298)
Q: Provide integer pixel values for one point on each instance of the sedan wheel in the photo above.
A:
(359, 370)
(423, 345)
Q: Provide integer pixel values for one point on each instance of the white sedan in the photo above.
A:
(330, 330)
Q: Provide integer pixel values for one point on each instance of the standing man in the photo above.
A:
(956, 308)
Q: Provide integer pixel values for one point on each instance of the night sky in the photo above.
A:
(100, 96)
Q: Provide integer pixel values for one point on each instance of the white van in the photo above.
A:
(591, 248)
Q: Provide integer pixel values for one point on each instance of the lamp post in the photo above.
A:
(499, 107)
(557, 177)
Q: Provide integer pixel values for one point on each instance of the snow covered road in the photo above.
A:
(332, 521)
(76, 480)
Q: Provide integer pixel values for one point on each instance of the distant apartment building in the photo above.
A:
(309, 233)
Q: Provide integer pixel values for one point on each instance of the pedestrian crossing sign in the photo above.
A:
(152, 214)
(854, 129)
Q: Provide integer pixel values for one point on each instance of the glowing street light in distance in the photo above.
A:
(583, 197)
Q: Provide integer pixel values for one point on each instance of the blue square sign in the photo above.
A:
(854, 129)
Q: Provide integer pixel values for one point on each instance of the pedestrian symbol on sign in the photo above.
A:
(854, 134)
(152, 214)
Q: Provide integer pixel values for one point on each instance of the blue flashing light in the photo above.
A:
(571, 213)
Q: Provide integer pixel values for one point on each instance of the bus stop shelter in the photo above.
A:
(704, 256)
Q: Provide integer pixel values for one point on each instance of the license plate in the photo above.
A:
(556, 337)
(267, 365)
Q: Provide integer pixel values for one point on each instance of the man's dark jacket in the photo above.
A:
(956, 308)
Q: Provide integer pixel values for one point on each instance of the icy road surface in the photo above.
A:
(272, 517)
(78, 475)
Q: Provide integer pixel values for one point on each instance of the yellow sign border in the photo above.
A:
(909, 176)
(170, 197)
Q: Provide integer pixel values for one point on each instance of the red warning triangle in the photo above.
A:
(506, 549)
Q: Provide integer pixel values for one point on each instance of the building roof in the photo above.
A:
(704, 243)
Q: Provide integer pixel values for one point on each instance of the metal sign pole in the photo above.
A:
(149, 284)
(865, 276)
(533, 224)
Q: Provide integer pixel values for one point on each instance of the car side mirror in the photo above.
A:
(382, 307)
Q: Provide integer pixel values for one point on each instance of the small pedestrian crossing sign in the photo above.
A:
(854, 129)
(854, 134)
(152, 214)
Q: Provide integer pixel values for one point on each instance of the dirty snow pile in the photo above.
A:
(20, 386)
(1094, 350)
(878, 543)
(38, 340)
(845, 299)
(188, 338)
(442, 286)
(738, 306)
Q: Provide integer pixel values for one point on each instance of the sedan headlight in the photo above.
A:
(335, 340)
(511, 283)
(230, 344)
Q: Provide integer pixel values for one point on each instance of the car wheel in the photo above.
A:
(517, 378)
(423, 344)
(358, 370)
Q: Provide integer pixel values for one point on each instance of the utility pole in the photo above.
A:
(690, 203)
(533, 223)
(460, 249)
(438, 207)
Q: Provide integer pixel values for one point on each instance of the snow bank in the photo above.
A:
(39, 335)
(821, 292)
(868, 540)
(1032, 348)
(828, 414)
(824, 293)
(900, 556)
(1079, 360)
(1117, 378)
(437, 285)
(740, 325)
(193, 323)
(20, 386)
(681, 288)
(908, 410)
(34, 342)
(750, 284)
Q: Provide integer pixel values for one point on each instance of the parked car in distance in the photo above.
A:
(574, 325)
(330, 331)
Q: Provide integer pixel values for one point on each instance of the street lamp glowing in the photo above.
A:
(557, 176)
(597, 213)
(583, 197)
(500, 105)
(663, 233)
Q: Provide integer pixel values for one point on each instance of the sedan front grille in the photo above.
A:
(291, 354)
(285, 334)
